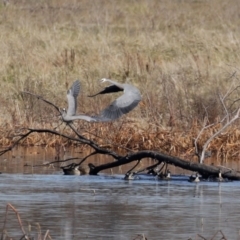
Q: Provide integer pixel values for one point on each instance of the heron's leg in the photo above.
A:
(58, 125)
(72, 125)
(64, 127)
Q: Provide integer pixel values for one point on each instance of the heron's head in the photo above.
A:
(63, 110)
(103, 80)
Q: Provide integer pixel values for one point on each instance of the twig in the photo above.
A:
(39, 231)
(219, 231)
(201, 236)
(198, 136)
(46, 235)
(14, 144)
(224, 106)
(85, 158)
(222, 234)
(41, 98)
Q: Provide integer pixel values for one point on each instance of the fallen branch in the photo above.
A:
(203, 169)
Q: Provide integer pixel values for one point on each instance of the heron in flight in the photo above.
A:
(122, 105)
(70, 115)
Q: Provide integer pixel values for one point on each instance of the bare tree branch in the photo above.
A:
(217, 133)
(224, 106)
(198, 136)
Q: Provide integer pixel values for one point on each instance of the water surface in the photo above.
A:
(108, 207)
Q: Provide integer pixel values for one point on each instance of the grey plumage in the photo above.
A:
(70, 114)
(122, 105)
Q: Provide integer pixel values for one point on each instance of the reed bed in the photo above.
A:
(182, 55)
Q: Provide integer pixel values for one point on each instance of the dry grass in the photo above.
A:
(181, 54)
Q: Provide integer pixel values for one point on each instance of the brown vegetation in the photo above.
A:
(182, 55)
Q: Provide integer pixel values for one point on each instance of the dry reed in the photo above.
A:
(24, 234)
(182, 56)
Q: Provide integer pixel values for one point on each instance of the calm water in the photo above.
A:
(107, 207)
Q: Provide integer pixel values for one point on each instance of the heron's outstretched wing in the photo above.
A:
(72, 95)
(109, 89)
(122, 105)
